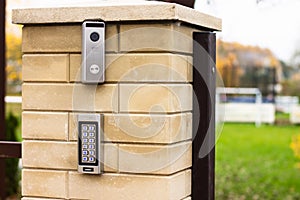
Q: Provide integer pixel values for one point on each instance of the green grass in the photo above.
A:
(256, 163)
(16, 109)
(282, 116)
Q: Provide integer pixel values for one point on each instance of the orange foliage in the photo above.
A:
(233, 58)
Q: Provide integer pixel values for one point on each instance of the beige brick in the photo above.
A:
(70, 97)
(44, 183)
(61, 38)
(45, 67)
(155, 98)
(45, 125)
(136, 128)
(189, 125)
(75, 67)
(188, 182)
(51, 155)
(111, 157)
(141, 128)
(149, 67)
(127, 186)
(73, 128)
(155, 159)
(62, 155)
(171, 37)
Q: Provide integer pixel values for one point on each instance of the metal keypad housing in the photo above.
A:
(90, 147)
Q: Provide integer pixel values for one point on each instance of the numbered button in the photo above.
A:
(91, 146)
(92, 134)
(85, 146)
(85, 140)
(84, 153)
(84, 127)
(91, 159)
(92, 153)
(85, 134)
(84, 159)
(91, 140)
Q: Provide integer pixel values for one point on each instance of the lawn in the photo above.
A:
(256, 163)
(16, 110)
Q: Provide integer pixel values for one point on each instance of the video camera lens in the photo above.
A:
(94, 36)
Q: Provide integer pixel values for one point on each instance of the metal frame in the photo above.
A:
(204, 85)
(7, 149)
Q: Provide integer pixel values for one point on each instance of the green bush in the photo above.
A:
(12, 170)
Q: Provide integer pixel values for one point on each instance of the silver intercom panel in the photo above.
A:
(93, 52)
(90, 147)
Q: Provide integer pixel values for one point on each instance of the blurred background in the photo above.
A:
(258, 60)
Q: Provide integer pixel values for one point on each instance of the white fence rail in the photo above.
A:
(13, 99)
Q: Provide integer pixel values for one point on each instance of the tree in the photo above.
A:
(13, 63)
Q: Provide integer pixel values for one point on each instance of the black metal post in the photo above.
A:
(2, 94)
(204, 84)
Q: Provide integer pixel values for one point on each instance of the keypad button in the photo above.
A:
(84, 134)
(85, 146)
(84, 152)
(92, 152)
(91, 140)
(84, 158)
(92, 134)
(85, 140)
(91, 159)
(91, 146)
(92, 128)
(84, 127)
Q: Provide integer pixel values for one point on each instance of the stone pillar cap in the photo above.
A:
(116, 11)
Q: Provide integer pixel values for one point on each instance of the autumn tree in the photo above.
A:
(14, 63)
(248, 66)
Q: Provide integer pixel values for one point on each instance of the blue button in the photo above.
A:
(84, 158)
(84, 152)
(92, 134)
(91, 146)
(91, 159)
(84, 127)
(85, 134)
(91, 140)
(92, 152)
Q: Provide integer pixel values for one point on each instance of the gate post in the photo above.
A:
(146, 102)
(204, 85)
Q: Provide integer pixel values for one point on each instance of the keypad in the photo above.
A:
(88, 138)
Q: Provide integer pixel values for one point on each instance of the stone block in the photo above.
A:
(45, 67)
(155, 159)
(155, 98)
(49, 154)
(70, 97)
(62, 38)
(170, 37)
(127, 186)
(45, 125)
(44, 183)
(141, 128)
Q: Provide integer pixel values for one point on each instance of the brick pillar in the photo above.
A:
(146, 101)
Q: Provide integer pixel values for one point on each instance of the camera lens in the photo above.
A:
(94, 36)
